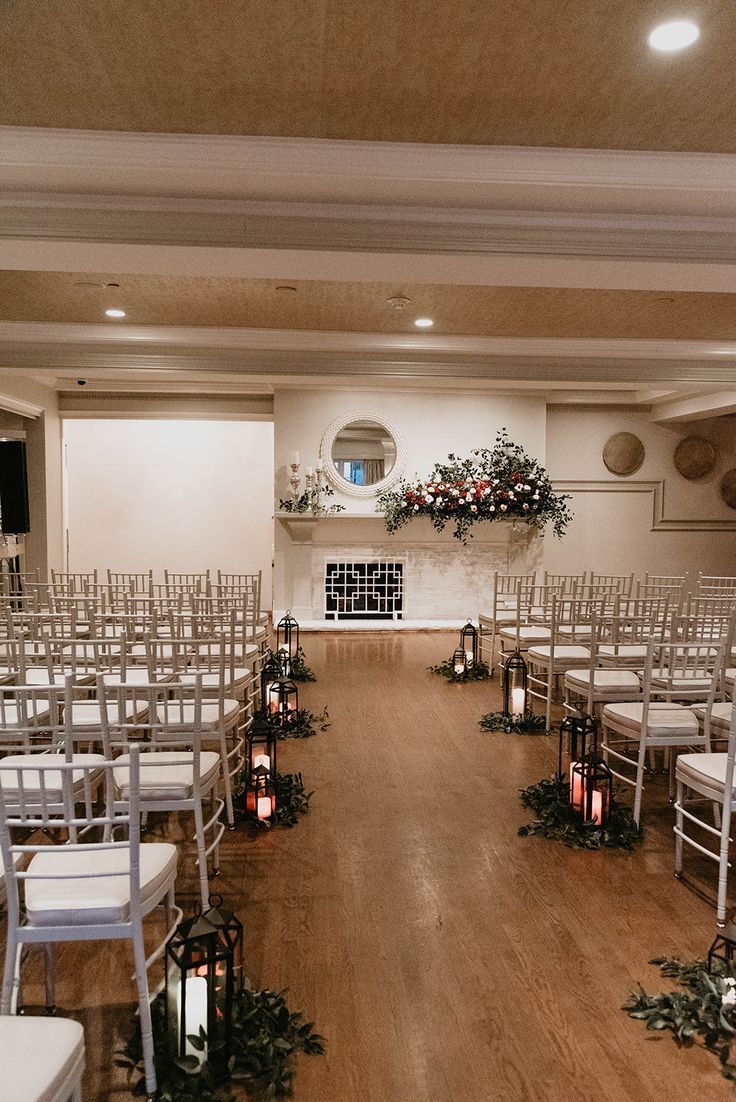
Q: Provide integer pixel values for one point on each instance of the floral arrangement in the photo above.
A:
(549, 799)
(311, 501)
(502, 482)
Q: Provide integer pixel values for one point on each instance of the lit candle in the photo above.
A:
(318, 466)
(195, 1006)
(597, 808)
(459, 667)
(310, 472)
(518, 702)
(262, 759)
(576, 788)
(264, 807)
(295, 458)
(469, 657)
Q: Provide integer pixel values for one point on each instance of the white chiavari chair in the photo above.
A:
(621, 583)
(135, 583)
(568, 648)
(100, 887)
(532, 620)
(569, 583)
(43, 1059)
(675, 674)
(70, 584)
(504, 601)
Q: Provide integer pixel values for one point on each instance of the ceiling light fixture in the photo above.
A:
(675, 35)
(115, 313)
(398, 302)
(423, 323)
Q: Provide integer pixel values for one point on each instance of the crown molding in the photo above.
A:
(227, 166)
(354, 228)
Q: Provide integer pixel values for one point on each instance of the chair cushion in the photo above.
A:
(184, 713)
(614, 681)
(167, 781)
(578, 631)
(212, 680)
(568, 652)
(39, 1056)
(707, 769)
(238, 651)
(627, 651)
(663, 718)
(86, 713)
(10, 765)
(76, 900)
(503, 616)
(720, 715)
(529, 633)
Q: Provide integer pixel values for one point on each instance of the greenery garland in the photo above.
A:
(502, 482)
(477, 672)
(703, 1012)
(300, 723)
(266, 1036)
(298, 668)
(528, 724)
(549, 799)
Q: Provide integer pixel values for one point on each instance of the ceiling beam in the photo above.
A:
(696, 407)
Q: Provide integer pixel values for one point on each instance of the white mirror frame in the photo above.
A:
(341, 484)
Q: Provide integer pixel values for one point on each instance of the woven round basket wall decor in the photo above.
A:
(623, 453)
(695, 457)
(728, 488)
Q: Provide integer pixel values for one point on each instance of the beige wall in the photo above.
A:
(182, 495)
(614, 530)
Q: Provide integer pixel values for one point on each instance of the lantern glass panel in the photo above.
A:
(515, 685)
(287, 641)
(271, 671)
(723, 949)
(591, 791)
(260, 781)
(578, 737)
(459, 662)
(469, 643)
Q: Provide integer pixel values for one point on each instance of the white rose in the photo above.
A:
(456, 493)
(416, 508)
(536, 497)
(503, 508)
(429, 499)
(404, 501)
(525, 505)
(527, 487)
(461, 501)
(473, 508)
(486, 492)
(493, 508)
(729, 997)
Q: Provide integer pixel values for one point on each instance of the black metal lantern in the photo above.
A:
(591, 791)
(260, 776)
(469, 643)
(723, 948)
(515, 685)
(282, 703)
(287, 641)
(459, 662)
(578, 736)
(201, 959)
(270, 671)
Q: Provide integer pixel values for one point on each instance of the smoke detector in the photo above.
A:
(398, 302)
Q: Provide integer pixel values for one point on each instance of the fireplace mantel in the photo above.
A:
(445, 580)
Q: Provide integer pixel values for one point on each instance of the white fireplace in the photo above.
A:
(443, 582)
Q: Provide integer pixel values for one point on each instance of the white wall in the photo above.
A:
(613, 528)
(432, 425)
(186, 495)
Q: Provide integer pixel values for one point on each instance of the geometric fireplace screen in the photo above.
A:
(364, 590)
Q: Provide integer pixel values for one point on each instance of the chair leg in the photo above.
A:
(144, 1010)
(548, 710)
(639, 777)
(723, 865)
(204, 886)
(680, 824)
(226, 779)
(11, 974)
(49, 952)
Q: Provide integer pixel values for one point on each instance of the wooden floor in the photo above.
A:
(442, 956)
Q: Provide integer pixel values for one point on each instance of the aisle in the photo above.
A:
(443, 957)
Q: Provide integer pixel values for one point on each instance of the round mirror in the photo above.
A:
(362, 454)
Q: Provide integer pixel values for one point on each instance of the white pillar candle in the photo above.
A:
(262, 759)
(310, 472)
(195, 1005)
(295, 458)
(264, 807)
(469, 657)
(518, 702)
(318, 465)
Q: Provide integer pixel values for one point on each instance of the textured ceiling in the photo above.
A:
(362, 307)
(533, 72)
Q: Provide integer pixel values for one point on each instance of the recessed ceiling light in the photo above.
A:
(423, 323)
(115, 313)
(675, 35)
